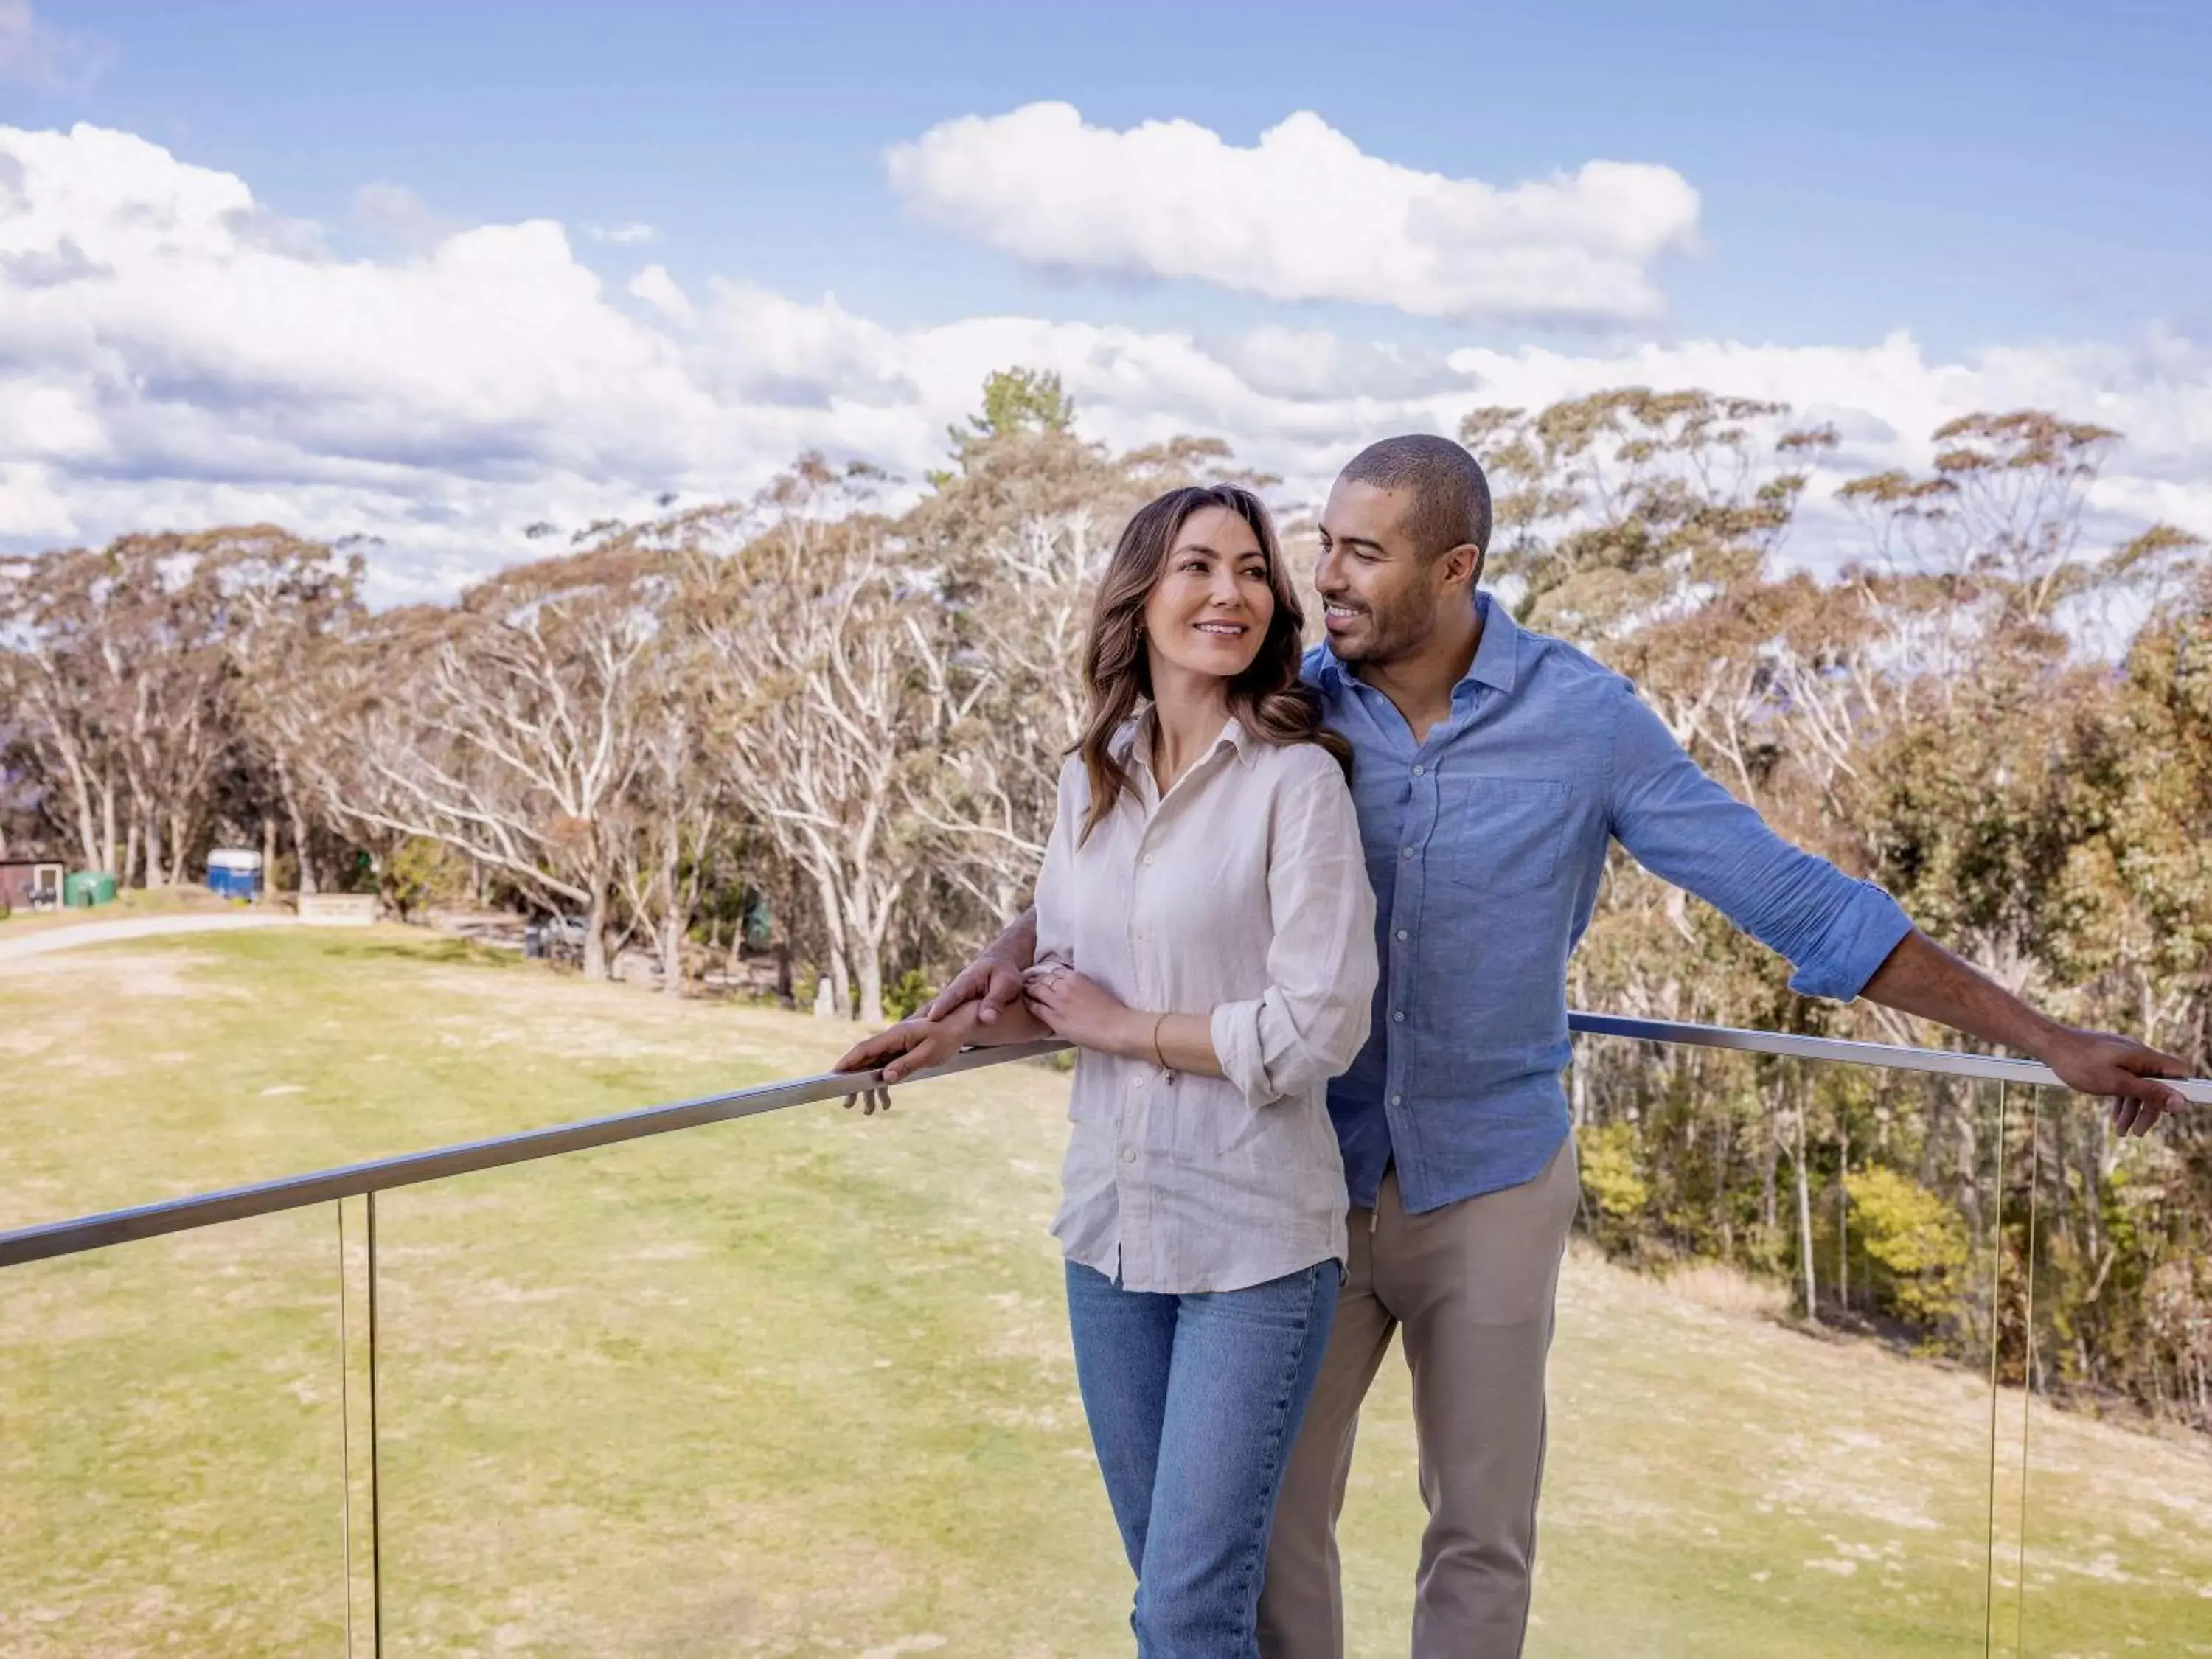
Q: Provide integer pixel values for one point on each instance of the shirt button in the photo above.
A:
(1397, 1100)
(1128, 1155)
(1405, 851)
(1403, 933)
(1398, 1017)
(1419, 769)
(1148, 858)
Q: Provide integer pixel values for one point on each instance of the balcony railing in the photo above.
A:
(416, 1406)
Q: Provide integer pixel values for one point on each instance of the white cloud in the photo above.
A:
(1303, 215)
(627, 234)
(396, 217)
(659, 289)
(34, 53)
(172, 354)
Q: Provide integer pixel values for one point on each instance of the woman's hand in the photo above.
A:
(911, 1045)
(1083, 1012)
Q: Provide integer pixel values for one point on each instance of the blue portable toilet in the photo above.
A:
(234, 872)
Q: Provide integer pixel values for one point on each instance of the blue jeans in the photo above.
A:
(1195, 1402)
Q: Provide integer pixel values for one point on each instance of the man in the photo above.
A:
(1492, 768)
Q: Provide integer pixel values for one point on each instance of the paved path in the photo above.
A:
(104, 932)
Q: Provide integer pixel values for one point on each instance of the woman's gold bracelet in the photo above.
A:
(1158, 1059)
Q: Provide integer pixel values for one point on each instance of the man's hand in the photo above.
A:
(2101, 1063)
(1921, 977)
(992, 981)
(910, 1045)
(1081, 1011)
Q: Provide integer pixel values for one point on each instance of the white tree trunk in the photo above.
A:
(304, 878)
(149, 841)
(1805, 1224)
(108, 834)
(595, 932)
(82, 789)
(673, 925)
(870, 965)
(833, 943)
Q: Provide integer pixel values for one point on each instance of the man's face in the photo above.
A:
(1380, 593)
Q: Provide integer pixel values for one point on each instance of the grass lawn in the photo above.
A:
(799, 1384)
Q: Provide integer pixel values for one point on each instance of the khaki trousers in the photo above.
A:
(1473, 1285)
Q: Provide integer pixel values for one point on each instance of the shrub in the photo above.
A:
(423, 871)
(1916, 1243)
(907, 997)
(1616, 1189)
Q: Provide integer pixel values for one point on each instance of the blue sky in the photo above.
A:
(1899, 211)
(1974, 172)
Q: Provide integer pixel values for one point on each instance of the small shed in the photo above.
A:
(31, 883)
(234, 872)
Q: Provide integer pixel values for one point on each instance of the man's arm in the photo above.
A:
(995, 978)
(1921, 977)
(1846, 938)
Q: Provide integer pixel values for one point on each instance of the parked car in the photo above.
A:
(553, 935)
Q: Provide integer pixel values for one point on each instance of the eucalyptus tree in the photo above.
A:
(511, 727)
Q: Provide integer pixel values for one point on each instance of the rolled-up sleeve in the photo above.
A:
(1310, 1023)
(1682, 826)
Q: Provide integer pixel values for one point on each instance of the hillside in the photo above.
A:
(799, 1384)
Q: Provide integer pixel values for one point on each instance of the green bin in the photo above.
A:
(87, 888)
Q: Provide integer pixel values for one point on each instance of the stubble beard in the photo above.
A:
(1392, 637)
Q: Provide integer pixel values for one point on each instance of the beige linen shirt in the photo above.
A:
(1241, 895)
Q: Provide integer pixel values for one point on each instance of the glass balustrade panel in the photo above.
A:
(2105, 1451)
(174, 1437)
(1770, 1399)
(797, 1384)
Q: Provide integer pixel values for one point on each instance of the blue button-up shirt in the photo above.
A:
(1485, 843)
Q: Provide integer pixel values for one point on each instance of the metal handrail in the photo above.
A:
(1843, 1051)
(92, 1232)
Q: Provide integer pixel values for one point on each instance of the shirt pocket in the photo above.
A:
(1502, 835)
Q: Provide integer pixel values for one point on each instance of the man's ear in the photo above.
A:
(1464, 561)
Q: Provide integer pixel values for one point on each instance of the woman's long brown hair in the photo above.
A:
(1267, 698)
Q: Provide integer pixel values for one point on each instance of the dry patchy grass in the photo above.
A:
(799, 1384)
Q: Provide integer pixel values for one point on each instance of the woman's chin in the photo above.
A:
(1220, 665)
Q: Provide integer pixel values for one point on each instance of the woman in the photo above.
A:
(1205, 936)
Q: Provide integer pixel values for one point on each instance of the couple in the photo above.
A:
(1225, 922)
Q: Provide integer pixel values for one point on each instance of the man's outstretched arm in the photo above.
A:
(1846, 938)
(1921, 977)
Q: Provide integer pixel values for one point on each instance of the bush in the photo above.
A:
(1916, 1243)
(908, 997)
(423, 871)
(1616, 1189)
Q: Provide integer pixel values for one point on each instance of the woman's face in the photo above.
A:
(1208, 612)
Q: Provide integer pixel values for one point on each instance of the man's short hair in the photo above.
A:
(1450, 499)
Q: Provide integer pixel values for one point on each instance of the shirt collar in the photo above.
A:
(1498, 658)
(1139, 727)
(1496, 655)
